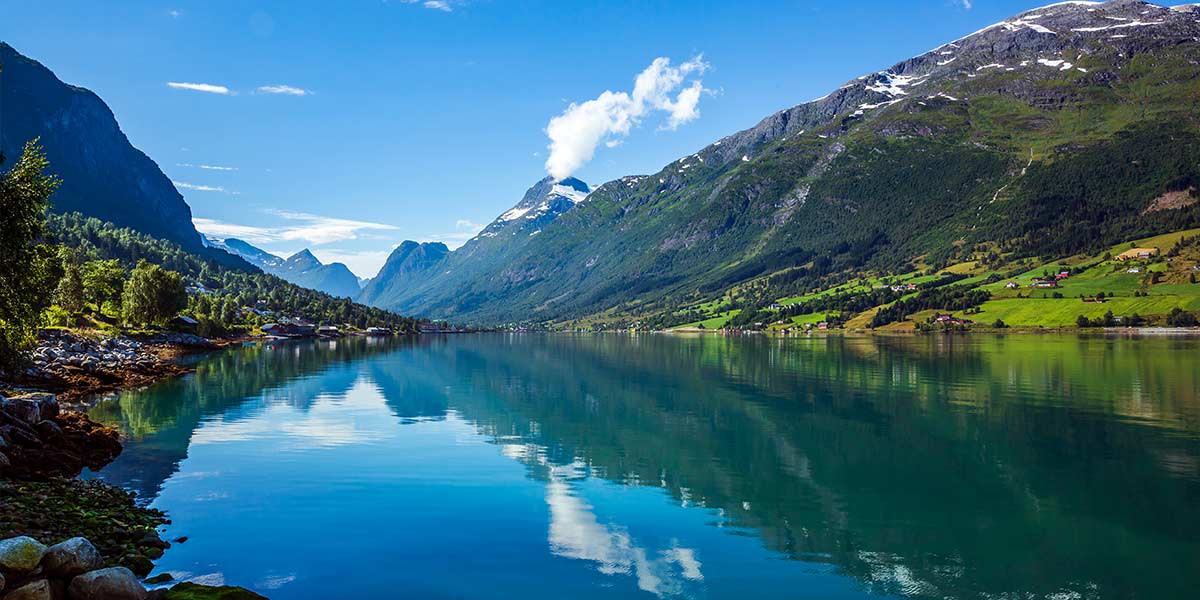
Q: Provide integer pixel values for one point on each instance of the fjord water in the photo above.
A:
(607, 466)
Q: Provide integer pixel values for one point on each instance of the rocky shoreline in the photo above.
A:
(75, 366)
(74, 569)
(37, 439)
(44, 446)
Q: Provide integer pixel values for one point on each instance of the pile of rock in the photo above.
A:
(61, 353)
(74, 570)
(71, 570)
(37, 439)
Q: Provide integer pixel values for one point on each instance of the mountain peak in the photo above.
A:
(303, 255)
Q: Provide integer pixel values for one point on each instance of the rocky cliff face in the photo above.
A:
(103, 175)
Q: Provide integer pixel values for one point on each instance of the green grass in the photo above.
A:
(716, 322)
(1038, 312)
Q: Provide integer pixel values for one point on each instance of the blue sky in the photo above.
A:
(348, 127)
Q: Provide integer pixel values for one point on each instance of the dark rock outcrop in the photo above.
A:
(37, 440)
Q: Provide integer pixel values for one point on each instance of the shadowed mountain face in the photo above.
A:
(409, 266)
(103, 175)
(1048, 133)
(302, 268)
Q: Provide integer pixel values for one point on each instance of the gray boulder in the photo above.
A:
(21, 554)
(38, 589)
(32, 408)
(72, 557)
(115, 583)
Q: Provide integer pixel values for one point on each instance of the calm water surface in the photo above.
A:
(563, 466)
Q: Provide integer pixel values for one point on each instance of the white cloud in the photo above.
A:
(222, 230)
(207, 88)
(286, 90)
(306, 227)
(198, 188)
(206, 167)
(175, 13)
(575, 134)
(966, 4)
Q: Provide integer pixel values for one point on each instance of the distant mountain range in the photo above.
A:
(1051, 132)
(302, 268)
(103, 175)
(1061, 130)
(417, 275)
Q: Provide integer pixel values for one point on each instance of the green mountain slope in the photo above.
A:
(1052, 132)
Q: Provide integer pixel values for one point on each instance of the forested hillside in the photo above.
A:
(220, 294)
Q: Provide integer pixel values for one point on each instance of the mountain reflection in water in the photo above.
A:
(618, 466)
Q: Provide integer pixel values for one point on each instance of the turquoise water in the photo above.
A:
(581, 466)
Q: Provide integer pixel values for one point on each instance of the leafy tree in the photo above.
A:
(1082, 321)
(103, 281)
(69, 293)
(24, 282)
(1181, 318)
(153, 295)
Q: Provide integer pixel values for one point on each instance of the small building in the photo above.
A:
(328, 330)
(823, 325)
(1012, 285)
(1137, 253)
(379, 331)
(1133, 270)
(1044, 283)
(949, 320)
(285, 329)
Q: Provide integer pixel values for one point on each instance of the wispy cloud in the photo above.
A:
(206, 167)
(285, 90)
(581, 128)
(464, 230)
(300, 226)
(966, 4)
(442, 5)
(365, 263)
(198, 188)
(207, 88)
(175, 13)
